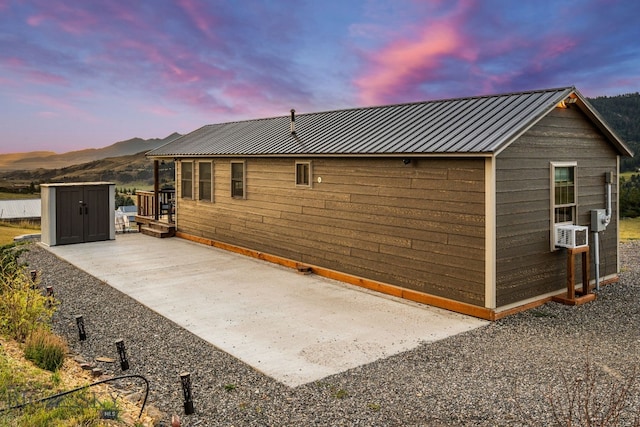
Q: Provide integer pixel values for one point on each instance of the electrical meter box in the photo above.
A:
(598, 220)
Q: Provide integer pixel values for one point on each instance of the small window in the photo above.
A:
(205, 181)
(303, 174)
(186, 170)
(237, 180)
(564, 194)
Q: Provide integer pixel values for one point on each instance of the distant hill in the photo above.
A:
(50, 160)
(130, 170)
(622, 113)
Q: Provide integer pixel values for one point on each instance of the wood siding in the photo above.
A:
(525, 266)
(419, 226)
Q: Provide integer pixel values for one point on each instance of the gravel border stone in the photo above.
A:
(512, 372)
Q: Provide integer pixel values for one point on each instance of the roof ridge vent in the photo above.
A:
(293, 121)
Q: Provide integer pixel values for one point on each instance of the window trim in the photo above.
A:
(210, 181)
(182, 180)
(553, 206)
(244, 179)
(309, 174)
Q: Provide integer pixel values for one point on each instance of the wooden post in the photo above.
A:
(584, 296)
(156, 190)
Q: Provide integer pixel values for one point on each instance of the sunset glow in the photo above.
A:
(77, 74)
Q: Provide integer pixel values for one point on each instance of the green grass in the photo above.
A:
(16, 196)
(22, 382)
(629, 229)
(9, 230)
(627, 175)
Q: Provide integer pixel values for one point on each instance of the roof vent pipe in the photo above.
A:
(293, 121)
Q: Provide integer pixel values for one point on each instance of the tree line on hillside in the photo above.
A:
(630, 196)
(622, 113)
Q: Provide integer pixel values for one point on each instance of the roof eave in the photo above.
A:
(316, 155)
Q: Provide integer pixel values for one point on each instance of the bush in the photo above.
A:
(45, 349)
(10, 266)
(23, 307)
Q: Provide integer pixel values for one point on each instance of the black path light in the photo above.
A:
(122, 353)
(50, 296)
(81, 331)
(185, 379)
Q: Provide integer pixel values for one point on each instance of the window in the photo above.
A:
(186, 170)
(303, 174)
(564, 193)
(564, 196)
(205, 181)
(237, 180)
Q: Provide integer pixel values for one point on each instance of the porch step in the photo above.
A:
(155, 228)
(158, 232)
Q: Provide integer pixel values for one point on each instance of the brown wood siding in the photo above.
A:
(419, 226)
(525, 266)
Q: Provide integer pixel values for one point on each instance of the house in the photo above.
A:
(20, 210)
(453, 203)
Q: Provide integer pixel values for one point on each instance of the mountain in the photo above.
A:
(49, 160)
(131, 170)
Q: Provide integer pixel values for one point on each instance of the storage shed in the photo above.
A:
(77, 212)
(453, 203)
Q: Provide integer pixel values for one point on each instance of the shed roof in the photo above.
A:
(482, 125)
(18, 209)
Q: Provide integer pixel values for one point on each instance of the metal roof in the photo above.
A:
(18, 209)
(482, 125)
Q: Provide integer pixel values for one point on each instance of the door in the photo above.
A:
(96, 213)
(69, 215)
(82, 214)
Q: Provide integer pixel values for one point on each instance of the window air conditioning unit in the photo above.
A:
(571, 236)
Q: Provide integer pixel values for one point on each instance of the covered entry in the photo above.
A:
(77, 213)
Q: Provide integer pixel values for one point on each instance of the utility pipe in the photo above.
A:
(596, 259)
(605, 222)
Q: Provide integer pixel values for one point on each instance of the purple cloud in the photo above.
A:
(152, 67)
(463, 48)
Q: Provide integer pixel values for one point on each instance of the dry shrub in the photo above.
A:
(45, 349)
(591, 400)
(23, 307)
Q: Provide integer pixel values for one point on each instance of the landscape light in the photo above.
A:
(185, 379)
(81, 331)
(124, 363)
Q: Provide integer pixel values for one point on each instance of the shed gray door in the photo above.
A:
(82, 214)
(69, 215)
(96, 213)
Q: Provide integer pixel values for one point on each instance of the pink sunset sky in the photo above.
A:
(86, 74)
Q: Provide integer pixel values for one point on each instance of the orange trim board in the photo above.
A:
(397, 291)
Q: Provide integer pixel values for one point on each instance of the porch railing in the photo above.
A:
(149, 207)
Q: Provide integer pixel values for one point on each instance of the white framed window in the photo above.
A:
(186, 180)
(564, 195)
(303, 174)
(205, 181)
(238, 180)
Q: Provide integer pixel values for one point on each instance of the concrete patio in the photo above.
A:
(295, 328)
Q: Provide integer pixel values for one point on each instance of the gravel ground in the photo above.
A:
(511, 372)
